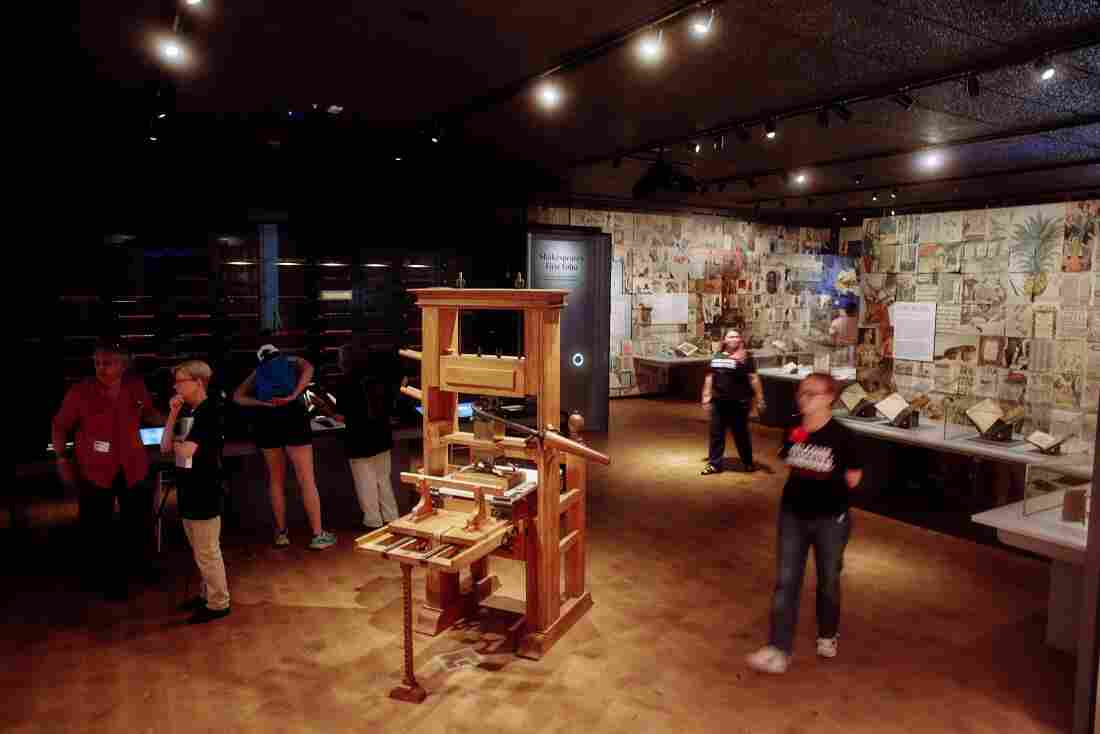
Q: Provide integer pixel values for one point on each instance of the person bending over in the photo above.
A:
(282, 430)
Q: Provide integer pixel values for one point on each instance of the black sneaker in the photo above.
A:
(193, 604)
(204, 614)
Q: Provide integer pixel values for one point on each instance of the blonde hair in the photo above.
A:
(195, 369)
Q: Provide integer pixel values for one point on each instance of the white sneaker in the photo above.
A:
(282, 538)
(769, 659)
(826, 646)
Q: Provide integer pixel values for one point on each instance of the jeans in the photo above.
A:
(204, 537)
(828, 535)
(733, 415)
(374, 488)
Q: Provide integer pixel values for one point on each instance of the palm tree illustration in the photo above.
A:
(1034, 246)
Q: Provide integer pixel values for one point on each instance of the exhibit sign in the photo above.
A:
(914, 326)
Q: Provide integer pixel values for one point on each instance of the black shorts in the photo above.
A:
(285, 425)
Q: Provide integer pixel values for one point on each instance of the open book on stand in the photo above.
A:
(855, 399)
(898, 411)
(992, 422)
(1047, 443)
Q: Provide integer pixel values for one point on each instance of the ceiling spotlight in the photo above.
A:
(973, 86)
(172, 51)
(894, 194)
(903, 100)
(721, 186)
(704, 188)
(741, 133)
(800, 178)
(701, 25)
(931, 160)
(769, 129)
(1045, 69)
(720, 143)
(397, 158)
(193, 3)
(651, 47)
(844, 219)
(162, 115)
(823, 117)
(893, 212)
(858, 178)
(435, 138)
(698, 147)
(750, 182)
(874, 196)
(549, 95)
(842, 112)
(152, 139)
(335, 109)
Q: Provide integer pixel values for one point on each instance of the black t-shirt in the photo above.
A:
(730, 377)
(364, 401)
(818, 461)
(200, 487)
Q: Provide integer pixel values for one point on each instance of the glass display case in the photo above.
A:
(1058, 491)
(989, 421)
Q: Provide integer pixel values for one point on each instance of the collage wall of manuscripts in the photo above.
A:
(679, 280)
(1017, 318)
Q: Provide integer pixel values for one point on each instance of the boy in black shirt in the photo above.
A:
(197, 444)
(813, 512)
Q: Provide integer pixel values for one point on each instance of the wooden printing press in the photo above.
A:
(468, 513)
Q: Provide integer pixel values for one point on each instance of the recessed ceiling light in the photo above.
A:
(152, 138)
(162, 115)
(931, 160)
(1045, 69)
(193, 3)
(172, 51)
(800, 178)
(435, 139)
(397, 158)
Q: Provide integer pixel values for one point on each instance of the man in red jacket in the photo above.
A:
(109, 460)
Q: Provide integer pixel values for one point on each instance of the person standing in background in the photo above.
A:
(282, 430)
(364, 403)
(106, 412)
(198, 453)
(732, 391)
(844, 329)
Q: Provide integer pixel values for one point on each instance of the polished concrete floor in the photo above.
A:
(939, 634)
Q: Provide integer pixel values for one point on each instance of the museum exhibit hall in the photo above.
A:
(618, 367)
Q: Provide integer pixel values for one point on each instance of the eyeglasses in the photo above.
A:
(808, 394)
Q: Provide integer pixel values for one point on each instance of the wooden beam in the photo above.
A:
(411, 478)
(568, 542)
(568, 499)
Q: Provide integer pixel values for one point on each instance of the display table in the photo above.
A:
(683, 376)
(779, 385)
(1046, 534)
(1043, 533)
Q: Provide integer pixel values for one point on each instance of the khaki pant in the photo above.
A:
(372, 484)
(203, 537)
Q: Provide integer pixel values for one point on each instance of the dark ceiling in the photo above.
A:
(407, 65)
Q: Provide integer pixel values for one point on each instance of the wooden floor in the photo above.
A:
(938, 634)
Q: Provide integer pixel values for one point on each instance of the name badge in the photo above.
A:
(103, 447)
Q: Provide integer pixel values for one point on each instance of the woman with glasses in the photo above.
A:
(732, 391)
(825, 467)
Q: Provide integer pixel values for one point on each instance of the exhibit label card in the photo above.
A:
(914, 330)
